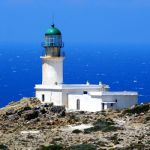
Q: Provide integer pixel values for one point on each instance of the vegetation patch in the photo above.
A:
(73, 118)
(138, 146)
(147, 118)
(105, 125)
(51, 147)
(3, 147)
(82, 147)
(137, 109)
(133, 146)
(77, 131)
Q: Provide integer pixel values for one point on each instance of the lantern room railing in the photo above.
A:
(50, 44)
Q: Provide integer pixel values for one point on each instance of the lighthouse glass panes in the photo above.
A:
(53, 40)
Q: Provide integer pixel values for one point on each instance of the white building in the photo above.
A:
(84, 97)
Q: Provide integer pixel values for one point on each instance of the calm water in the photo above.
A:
(122, 67)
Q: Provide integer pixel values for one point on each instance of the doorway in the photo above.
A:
(43, 97)
(78, 104)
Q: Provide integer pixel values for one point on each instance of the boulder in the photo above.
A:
(57, 109)
(31, 115)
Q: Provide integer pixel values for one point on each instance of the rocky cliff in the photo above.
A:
(29, 125)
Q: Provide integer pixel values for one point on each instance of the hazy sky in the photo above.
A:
(81, 21)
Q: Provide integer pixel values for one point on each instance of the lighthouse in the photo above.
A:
(50, 91)
(85, 97)
(52, 59)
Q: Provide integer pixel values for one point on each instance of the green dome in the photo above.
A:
(53, 31)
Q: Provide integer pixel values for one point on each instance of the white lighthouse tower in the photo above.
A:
(52, 68)
(52, 60)
(86, 97)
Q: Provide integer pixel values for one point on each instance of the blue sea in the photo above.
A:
(123, 67)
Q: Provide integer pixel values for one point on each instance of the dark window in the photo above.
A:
(102, 106)
(115, 100)
(78, 104)
(43, 97)
(85, 92)
(111, 104)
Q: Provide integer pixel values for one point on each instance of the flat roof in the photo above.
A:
(71, 86)
(117, 93)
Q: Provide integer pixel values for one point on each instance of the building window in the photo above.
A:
(116, 100)
(103, 106)
(43, 97)
(78, 104)
(85, 92)
(111, 104)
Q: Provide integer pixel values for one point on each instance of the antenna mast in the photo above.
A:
(53, 19)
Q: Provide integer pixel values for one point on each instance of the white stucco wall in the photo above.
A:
(94, 103)
(79, 89)
(122, 99)
(94, 100)
(58, 94)
(57, 98)
(50, 96)
(47, 95)
(52, 71)
(86, 103)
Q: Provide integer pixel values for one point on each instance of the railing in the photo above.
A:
(49, 44)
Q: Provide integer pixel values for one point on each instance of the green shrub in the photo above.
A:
(82, 147)
(137, 109)
(110, 128)
(51, 147)
(76, 131)
(135, 146)
(103, 122)
(3, 147)
(104, 125)
(147, 118)
(138, 146)
(73, 118)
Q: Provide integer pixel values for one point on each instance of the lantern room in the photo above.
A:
(53, 42)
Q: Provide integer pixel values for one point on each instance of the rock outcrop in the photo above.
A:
(30, 125)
